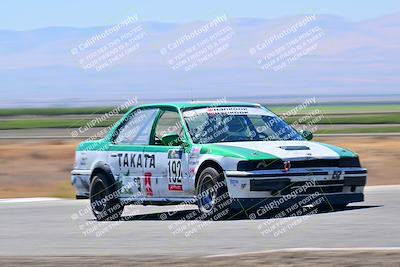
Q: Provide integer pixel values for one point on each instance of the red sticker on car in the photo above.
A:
(175, 187)
(147, 184)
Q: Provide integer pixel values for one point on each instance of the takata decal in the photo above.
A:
(150, 159)
(174, 175)
(136, 160)
(147, 184)
(175, 154)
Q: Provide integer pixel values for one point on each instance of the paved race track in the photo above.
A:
(54, 227)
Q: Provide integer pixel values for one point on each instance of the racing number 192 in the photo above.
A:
(174, 171)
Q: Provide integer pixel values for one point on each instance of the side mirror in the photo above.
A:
(171, 139)
(308, 135)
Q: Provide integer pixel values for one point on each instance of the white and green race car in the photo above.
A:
(221, 156)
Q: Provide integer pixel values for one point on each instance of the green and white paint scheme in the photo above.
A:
(258, 155)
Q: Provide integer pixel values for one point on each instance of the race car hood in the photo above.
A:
(285, 150)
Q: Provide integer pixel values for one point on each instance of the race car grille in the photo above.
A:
(253, 165)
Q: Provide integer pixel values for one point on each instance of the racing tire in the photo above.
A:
(104, 200)
(212, 195)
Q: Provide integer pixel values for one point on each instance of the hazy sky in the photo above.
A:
(30, 14)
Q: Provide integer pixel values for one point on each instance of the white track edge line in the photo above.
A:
(304, 250)
(27, 200)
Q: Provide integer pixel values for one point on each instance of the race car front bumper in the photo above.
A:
(80, 179)
(335, 186)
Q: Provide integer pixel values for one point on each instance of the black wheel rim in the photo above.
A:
(98, 198)
(208, 194)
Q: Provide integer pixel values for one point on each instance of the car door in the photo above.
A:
(126, 152)
(170, 173)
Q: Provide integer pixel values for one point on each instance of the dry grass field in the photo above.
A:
(42, 168)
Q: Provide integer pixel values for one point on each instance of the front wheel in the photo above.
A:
(104, 199)
(212, 195)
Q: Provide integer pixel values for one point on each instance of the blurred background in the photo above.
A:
(69, 70)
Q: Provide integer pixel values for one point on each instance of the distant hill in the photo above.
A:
(37, 67)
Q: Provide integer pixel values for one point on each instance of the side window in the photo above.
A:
(136, 131)
(169, 122)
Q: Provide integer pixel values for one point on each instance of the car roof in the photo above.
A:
(192, 105)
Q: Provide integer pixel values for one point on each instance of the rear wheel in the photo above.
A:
(213, 199)
(104, 199)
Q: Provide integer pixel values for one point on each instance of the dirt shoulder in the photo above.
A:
(299, 259)
(378, 154)
(42, 168)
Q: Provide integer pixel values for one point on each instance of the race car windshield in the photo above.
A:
(235, 124)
